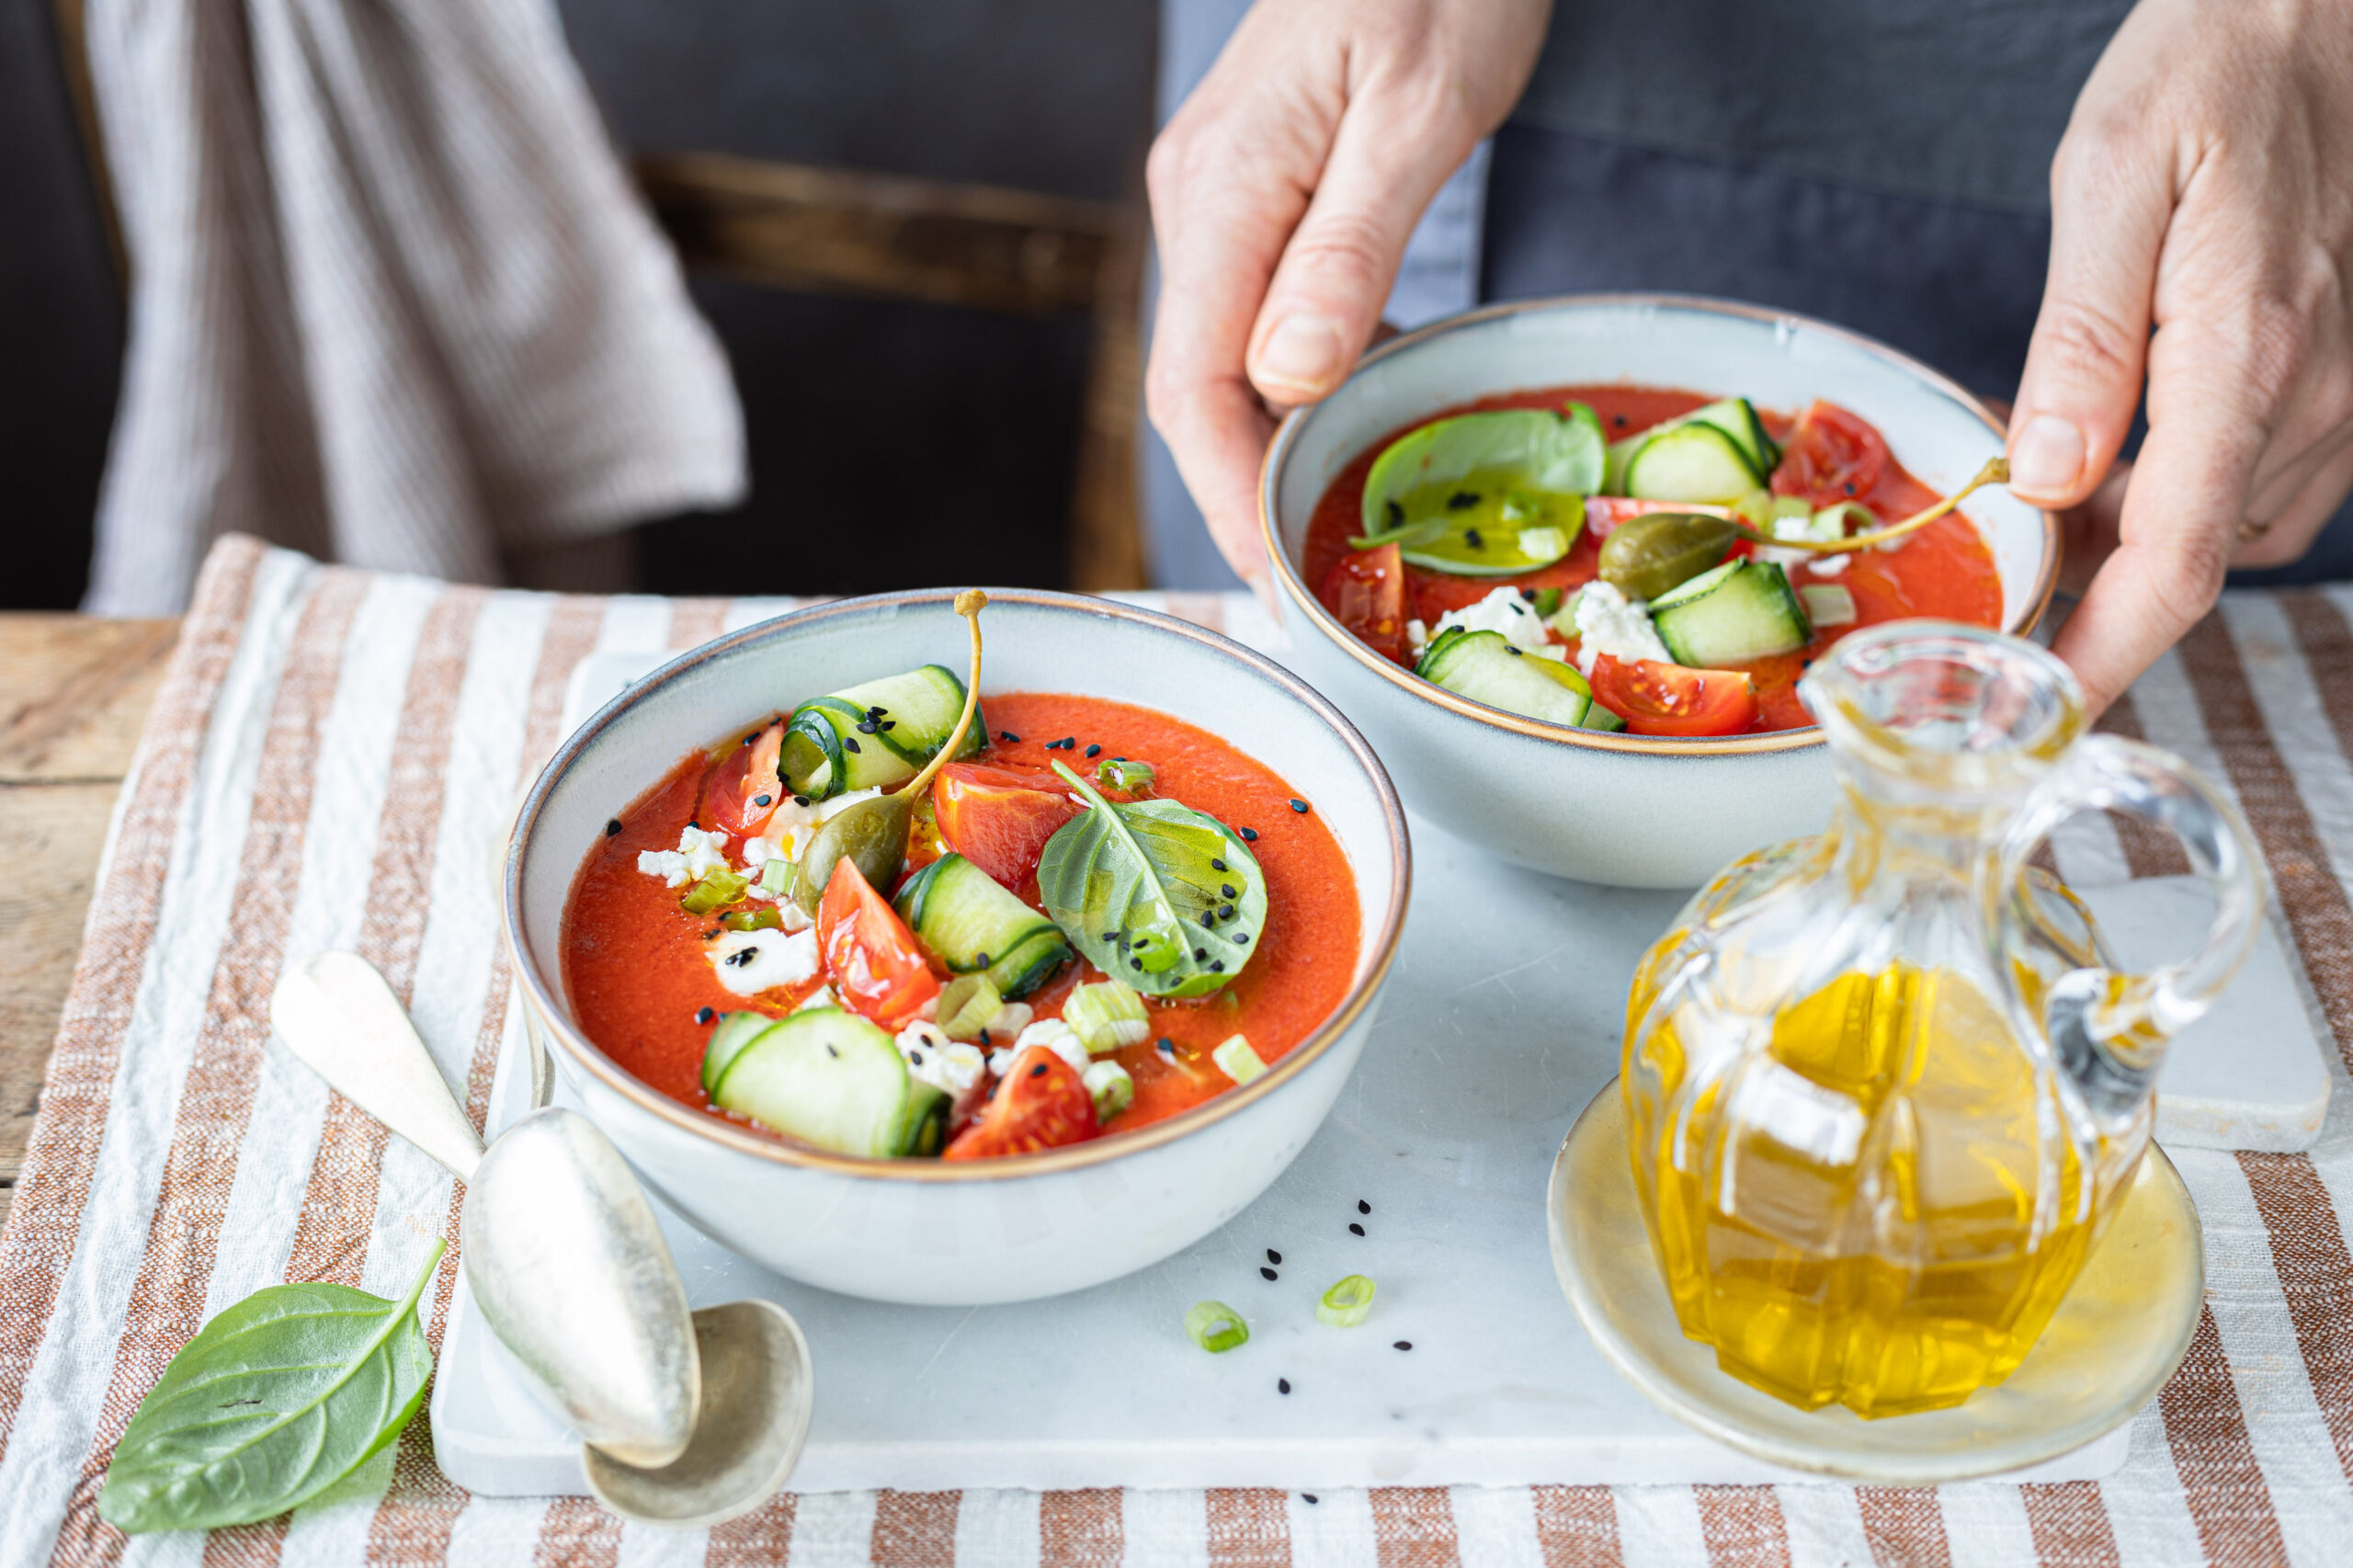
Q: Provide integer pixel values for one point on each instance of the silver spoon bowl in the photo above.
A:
(687, 1418)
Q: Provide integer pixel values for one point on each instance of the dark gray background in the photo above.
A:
(872, 423)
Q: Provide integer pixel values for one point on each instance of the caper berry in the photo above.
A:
(1650, 554)
(871, 834)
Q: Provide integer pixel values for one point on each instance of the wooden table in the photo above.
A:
(73, 692)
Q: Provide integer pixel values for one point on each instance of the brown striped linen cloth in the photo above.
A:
(326, 766)
(394, 301)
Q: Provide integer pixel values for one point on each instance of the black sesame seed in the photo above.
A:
(1038, 1071)
(1461, 498)
(1225, 911)
(1070, 742)
(832, 1052)
(866, 726)
(1618, 420)
(1355, 1229)
(1095, 751)
(801, 799)
(1513, 651)
(1363, 1206)
(1282, 1385)
(1217, 865)
(750, 738)
(1111, 935)
(1405, 1345)
(852, 744)
(1242, 938)
(1135, 963)
(1201, 955)
(1250, 835)
(1310, 1497)
(1396, 513)
(704, 1014)
(1470, 537)
(1849, 489)
(886, 725)
(1268, 1272)
(762, 800)
(696, 825)
(1008, 737)
(709, 935)
(1299, 806)
(984, 1039)
(1165, 1046)
(914, 1058)
(612, 827)
(1217, 966)
(1273, 1256)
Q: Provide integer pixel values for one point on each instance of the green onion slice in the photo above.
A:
(716, 890)
(1107, 1017)
(752, 920)
(1239, 1062)
(776, 878)
(1121, 773)
(969, 1003)
(1348, 1303)
(1215, 1326)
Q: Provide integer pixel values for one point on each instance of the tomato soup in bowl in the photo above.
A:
(1123, 958)
(1564, 561)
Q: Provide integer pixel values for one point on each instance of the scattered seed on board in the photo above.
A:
(1405, 1345)
(1307, 1497)
(1268, 1272)
(1282, 1385)
(1363, 1206)
(1273, 1256)
(1355, 1228)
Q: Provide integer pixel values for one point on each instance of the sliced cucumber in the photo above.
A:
(832, 1079)
(975, 927)
(735, 1031)
(1736, 417)
(1741, 611)
(1485, 668)
(905, 718)
(1691, 461)
(1599, 718)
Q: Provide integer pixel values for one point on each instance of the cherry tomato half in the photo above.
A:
(1365, 590)
(1667, 699)
(872, 959)
(999, 818)
(1831, 456)
(1040, 1103)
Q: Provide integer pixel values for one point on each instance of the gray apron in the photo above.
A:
(1881, 163)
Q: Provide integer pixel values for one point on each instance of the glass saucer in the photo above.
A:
(2111, 1344)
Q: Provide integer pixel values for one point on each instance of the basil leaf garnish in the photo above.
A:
(1531, 449)
(273, 1402)
(1167, 898)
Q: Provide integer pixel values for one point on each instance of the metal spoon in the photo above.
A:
(686, 1419)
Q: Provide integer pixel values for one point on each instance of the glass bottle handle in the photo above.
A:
(2110, 1029)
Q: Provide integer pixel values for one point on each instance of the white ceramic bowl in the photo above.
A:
(922, 1230)
(1628, 810)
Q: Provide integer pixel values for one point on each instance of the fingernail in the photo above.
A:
(2046, 456)
(1302, 352)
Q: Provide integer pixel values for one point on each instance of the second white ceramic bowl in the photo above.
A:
(1631, 811)
(924, 1231)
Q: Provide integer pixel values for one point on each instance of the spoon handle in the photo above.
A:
(336, 1013)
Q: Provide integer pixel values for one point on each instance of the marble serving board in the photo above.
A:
(1501, 1019)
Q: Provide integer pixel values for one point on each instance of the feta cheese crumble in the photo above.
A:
(1052, 1033)
(1606, 621)
(748, 962)
(700, 850)
(955, 1068)
(1503, 610)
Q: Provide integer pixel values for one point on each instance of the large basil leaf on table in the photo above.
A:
(273, 1402)
(1166, 897)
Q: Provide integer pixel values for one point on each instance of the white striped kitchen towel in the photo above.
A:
(393, 299)
(325, 767)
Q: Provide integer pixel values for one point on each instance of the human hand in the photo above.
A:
(1282, 195)
(2202, 189)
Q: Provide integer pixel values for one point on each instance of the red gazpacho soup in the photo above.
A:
(1476, 549)
(1093, 918)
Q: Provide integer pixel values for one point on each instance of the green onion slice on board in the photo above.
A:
(1215, 1326)
(1348, 1303)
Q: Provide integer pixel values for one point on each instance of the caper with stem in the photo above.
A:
(873, 835)
(1645, 556)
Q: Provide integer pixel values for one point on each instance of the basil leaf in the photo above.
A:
(1527, 450)
(1180, 896)
(273, 1402)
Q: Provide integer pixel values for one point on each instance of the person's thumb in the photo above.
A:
(1324, 302)
(2090, 347)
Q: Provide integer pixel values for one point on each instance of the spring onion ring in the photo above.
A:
(1348, 1303)
(1215, 1326)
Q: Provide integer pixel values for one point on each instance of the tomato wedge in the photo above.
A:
(759, 790)
(1831, 456)
(999, 818)
(1040, 1104)
(1667, 699)
(872, 959)
(1365, 590)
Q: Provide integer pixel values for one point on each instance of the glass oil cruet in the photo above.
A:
(1883, 1087)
